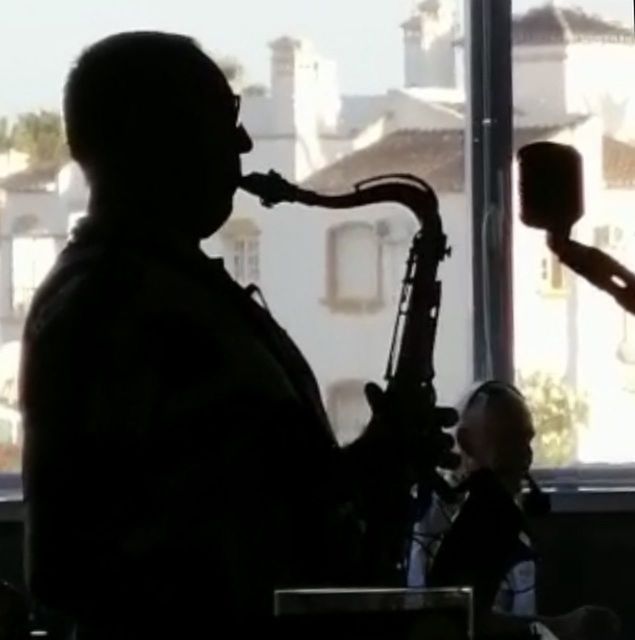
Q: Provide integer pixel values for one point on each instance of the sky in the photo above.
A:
(39, 39)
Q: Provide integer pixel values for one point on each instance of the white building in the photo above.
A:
(333, 277)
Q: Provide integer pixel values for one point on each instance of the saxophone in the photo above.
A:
(410, 367)
(411, 357)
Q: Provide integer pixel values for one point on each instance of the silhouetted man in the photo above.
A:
(178, 464)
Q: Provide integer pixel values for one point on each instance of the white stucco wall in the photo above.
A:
(51, 215)
(12, 161)
(539, 78)
(598, 81)
(343, 346)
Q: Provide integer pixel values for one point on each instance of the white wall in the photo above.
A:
(539, 78)
(51, 214)
(599, 81)
(344, 346)
(600, 324)
(12, 161)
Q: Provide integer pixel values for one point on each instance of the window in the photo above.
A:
(243, 258)
(354, 269)
(241, 250)
(552, 275)
(348, 409)
(32, 258)
(321, 116)
(626, 349)
(607, 236)
(572, 341)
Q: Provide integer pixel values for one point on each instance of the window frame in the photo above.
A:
(351, 304)
(490, 154)
(489, 134)
(242, 230)
(552, 270)
(19, 310)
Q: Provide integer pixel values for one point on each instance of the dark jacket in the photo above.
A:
(177, 453)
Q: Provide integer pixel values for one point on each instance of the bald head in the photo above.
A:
(150, 114)
(496, 431)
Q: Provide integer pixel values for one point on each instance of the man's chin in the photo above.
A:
(220, 213)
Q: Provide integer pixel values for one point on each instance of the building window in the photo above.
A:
(607, 237)
(552, 276)
(241, 249)
(348, 409)
(243, 259)
(354, 268)
(626, 348)
(32, 258)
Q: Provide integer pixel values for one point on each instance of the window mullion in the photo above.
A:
(489, 129)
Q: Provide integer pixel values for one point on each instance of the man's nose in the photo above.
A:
(244, 142)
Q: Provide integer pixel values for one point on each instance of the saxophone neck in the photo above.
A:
(405, 189)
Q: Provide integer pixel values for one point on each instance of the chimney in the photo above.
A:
(429, 55)
(304, 89)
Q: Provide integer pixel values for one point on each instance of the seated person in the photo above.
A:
(482, 539)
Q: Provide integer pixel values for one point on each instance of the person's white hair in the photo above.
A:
(475, 400)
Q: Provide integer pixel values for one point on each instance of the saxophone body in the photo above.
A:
(410, 367)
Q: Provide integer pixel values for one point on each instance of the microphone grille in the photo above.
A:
(551, 186)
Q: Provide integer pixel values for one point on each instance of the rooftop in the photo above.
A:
(31, 180)
(439, 158)
(551, 24)
(619, 164)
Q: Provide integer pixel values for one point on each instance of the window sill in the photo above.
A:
(592, 490)
(353, 306)
(553, 294)
(592, 500)
(11, 507)
(589, 489)
(566, 501)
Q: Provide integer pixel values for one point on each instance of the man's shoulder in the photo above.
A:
(86, 286)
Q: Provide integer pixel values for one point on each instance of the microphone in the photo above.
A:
(551, 198)
(551, 187)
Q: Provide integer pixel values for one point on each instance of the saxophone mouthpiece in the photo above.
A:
(254, 183)
(270, 187)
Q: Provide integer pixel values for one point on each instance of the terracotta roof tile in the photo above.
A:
(552, 24)
(619, 164)
(31, 179)
(436, 156)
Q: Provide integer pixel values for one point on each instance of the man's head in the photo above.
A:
(495, 432)
(153, 121)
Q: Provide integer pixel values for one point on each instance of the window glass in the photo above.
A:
(573, 348)
(321, 115)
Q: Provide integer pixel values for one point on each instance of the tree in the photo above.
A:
(5, 135)
(41, 136)
(232, 68)
(559, 413)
